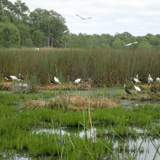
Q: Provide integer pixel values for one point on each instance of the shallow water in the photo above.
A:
(14, 157)
(134, 103)
(139, 149)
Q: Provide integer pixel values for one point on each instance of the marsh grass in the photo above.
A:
(17, 125)
(105, 67)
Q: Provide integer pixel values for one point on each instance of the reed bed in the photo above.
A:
(105, 67)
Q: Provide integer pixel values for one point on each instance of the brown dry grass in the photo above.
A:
(76, 103)
(35, 104)
(6, 86)
(65, 86)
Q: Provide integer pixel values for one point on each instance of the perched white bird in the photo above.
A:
(136, 79)
(56, 80)
(150, 79)
(158, 79)
(130, 44)
(13, 78)
(137, 88)
(77, 81)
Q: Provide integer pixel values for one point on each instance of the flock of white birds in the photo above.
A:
(137, 81)
(19, 79)
(76, 81)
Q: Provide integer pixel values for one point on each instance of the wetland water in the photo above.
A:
(140, 148)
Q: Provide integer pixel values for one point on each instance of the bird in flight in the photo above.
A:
(83, 18)
(130, 44)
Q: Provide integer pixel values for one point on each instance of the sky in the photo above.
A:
(137, 17)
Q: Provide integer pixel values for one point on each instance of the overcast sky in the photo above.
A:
(138, 17)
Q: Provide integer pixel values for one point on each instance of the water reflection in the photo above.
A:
(14, 157)
(136, 103)
(139, 149)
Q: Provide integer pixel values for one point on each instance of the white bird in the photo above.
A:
(158, 79)
(136, 79)
(137, 88)
(13, 78)
(150, 79)
(56, 80)
(77, 81)
(83, 18)
(130, 44)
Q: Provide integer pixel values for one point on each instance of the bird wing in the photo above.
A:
(80, 17)
(129, 44)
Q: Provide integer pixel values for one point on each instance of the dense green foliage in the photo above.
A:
(103, 66)
(20, 27)
(10, 36)
(117, 41)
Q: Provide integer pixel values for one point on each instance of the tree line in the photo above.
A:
(118, 41)
(20, 27)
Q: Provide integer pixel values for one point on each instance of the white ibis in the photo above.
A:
(137, 88)
(158, 79)
(12, 78)
(130, 44)
(136, 79)
(56, 80)
(77, 81)
(150, 79)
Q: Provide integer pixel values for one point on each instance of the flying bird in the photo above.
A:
(130, 44)
(56, 80)
(77, 81)
(83, 18)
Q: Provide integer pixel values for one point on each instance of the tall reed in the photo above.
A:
(103, 66)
